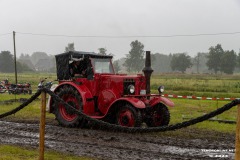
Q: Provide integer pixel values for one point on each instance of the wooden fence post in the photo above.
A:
(237, 143)
(42, 126)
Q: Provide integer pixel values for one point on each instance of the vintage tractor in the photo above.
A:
(101, 94)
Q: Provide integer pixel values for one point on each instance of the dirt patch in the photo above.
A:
(183, 144)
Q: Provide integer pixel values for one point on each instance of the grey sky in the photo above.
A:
(119, 18)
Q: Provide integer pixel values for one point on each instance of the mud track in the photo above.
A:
(183, 144)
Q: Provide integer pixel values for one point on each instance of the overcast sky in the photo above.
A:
(119, 18)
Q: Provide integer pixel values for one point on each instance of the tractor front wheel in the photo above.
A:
(65, 115)
(158, 116)
(128, 116)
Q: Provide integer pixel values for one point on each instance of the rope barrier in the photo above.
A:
(98, 124)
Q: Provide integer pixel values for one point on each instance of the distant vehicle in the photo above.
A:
(101, 94)
(21, 88)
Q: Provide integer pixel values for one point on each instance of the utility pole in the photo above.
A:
(15, 61)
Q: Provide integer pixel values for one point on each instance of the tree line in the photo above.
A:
(217, 60)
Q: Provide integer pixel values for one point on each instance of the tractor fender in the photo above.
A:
(163, 100)
(134, 101)
(87, 98)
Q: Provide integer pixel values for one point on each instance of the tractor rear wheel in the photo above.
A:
(158, 116)
(128, 116)
(64, 114)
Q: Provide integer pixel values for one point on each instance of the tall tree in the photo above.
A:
(134, 60)
(21, 67)
(36, 56)
(199, 63)
(24, 56)
(102, 51)
(228, 62)
(6, 62)
(180, 62)
(70, 47)
(214, 58)
(161, 63)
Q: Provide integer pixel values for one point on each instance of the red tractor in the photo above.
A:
(101, 94)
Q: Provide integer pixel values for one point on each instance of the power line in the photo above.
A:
(136, 36)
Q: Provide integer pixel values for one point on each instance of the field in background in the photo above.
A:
(199, 85)
(180, 84)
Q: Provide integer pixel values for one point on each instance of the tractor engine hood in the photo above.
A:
(120, 83)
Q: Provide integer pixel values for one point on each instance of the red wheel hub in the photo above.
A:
(66, 112)
(126, 118)
(157, 119)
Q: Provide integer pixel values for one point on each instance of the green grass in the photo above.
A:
(8, 152)
(30, 112)
(6, 96)
(199, 85)
(190, 108)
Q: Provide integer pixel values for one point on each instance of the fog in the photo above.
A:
(48, 26)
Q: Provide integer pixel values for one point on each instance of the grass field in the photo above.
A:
(9, 152)
(199, 85)
(181, 84)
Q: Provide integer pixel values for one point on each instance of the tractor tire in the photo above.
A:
(128, 116)
(65, 115)
(158, 116)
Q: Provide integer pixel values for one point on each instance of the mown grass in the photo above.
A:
(31, 112)
(186, 109)
(9, 152)
(199, 85)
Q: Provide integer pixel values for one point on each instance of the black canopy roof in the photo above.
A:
(81, 54)
(62, 61)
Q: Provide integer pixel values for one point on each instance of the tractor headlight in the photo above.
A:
(161, 89)
(131, 89)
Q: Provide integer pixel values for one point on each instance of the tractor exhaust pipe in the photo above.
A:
(147, 70)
